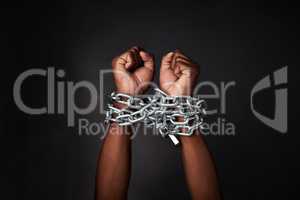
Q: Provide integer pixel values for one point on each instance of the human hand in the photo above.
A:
(178, 74)
(133, 71)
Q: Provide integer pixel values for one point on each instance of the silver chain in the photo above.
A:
(171, 115)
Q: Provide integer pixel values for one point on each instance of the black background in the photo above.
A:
(241, 42)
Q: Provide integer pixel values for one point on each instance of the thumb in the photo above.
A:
(127, 60)
(166, 61)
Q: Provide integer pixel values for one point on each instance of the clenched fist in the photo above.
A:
(178, 74)
(133, 71)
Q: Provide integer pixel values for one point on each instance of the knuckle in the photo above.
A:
(131, 55)
(183, 63)
(164, 57)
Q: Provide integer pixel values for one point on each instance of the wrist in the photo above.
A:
(120, 105)
(177, 91)
(129, 92)
(185, 140)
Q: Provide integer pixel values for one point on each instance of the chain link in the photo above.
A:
(179, 115)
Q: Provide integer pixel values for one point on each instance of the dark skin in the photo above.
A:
(178, 76)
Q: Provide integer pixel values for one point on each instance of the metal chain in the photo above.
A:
(171, 115)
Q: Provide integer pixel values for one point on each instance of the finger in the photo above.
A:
(179, 53)
(135, 50)
(183, 59)
(184, 68)
(131, 61)
(119, 62)
(148, 60)
(119, 70)
(176, 67)
(186, 76)
(187, 61)
(126, 60)
(167, 75)
(166, 61)
(145, 73)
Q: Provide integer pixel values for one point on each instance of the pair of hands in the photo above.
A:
(133, 72)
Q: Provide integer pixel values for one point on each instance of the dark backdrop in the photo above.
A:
(241, 42)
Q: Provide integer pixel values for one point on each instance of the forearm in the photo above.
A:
(113, 171)
(199, 168)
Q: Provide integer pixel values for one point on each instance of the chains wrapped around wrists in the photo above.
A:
(171, 115)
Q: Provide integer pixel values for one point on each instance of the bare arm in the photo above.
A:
(113, 171)
(199, 168)
(131, 71)
(178, 76)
